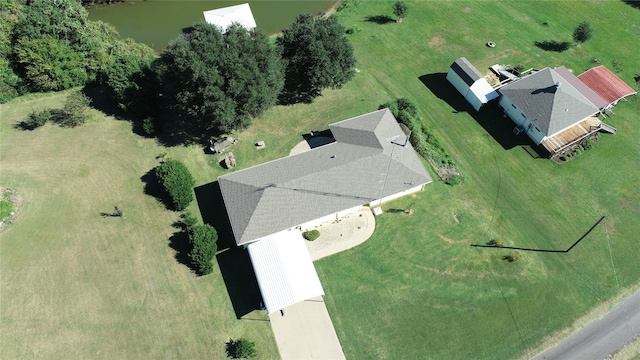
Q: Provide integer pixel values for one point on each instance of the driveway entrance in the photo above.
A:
(305, 331)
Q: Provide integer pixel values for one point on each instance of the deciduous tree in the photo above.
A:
(75, 109)
(318, 56)
(583, 32)
(222, 80)
(400, 9)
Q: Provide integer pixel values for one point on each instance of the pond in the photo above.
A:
(156, 22)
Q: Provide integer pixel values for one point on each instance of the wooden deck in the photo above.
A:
(564, 138)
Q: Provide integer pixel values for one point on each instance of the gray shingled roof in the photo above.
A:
(585, 90)
(467, 72)
(552, 108)
(349, 172)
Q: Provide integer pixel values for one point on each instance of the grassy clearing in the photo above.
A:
(417, 287)
(77, 285)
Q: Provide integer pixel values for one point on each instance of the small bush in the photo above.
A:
(38, 118)
(512, 257)
(518, 69)
(617, 64)
(424, 142)
(311, 235)
(177, 181)
(589, 144)
(188, 221)
(353, 29)
(75, 109)
(454, 179)
(203, 240)
(149, 126)
(400, 9)
(583, 32)
(6, 206)
(241, 349)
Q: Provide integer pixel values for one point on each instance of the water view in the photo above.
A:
(156, 22)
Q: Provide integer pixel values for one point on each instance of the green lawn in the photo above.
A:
(418, 289)
(76, 285)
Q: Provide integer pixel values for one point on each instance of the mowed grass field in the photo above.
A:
(76, 285)
(418, 289)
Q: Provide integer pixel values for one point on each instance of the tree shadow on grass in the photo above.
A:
(179, 242)
(181, 129)
(379, 19)
(553, 45)
(235, 265)
(632, 3)
(101, 101)
(296, 92)
(152, 188)
(490, 116)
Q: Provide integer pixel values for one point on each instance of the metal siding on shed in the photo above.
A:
(284, 270)
(457, 82)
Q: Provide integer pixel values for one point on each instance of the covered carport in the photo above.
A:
(284, 270)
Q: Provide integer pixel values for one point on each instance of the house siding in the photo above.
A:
(397, 195)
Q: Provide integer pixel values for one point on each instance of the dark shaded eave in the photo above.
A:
(466, 71)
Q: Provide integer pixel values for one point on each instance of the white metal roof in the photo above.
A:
(483, 91)
(226, 16)
(284, 270)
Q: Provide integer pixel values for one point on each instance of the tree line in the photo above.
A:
(211, 81)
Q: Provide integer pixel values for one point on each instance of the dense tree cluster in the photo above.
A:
(210, 82)
(52, 45)
(318, 56)
(222, 80)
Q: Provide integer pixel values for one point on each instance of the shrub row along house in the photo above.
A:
(369, 162)
(553, 107)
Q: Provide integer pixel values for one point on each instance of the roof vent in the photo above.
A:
(558, 84)
(333, 156)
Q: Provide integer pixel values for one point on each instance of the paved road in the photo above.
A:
(602, 337)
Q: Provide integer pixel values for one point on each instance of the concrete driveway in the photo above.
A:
(306, 332)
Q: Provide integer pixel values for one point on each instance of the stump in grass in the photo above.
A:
(512, 257)
(496, 243)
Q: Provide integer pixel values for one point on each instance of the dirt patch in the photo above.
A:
(452, 273)
(466, 9)
(451, 241)
(9, 195)
(436, 41)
